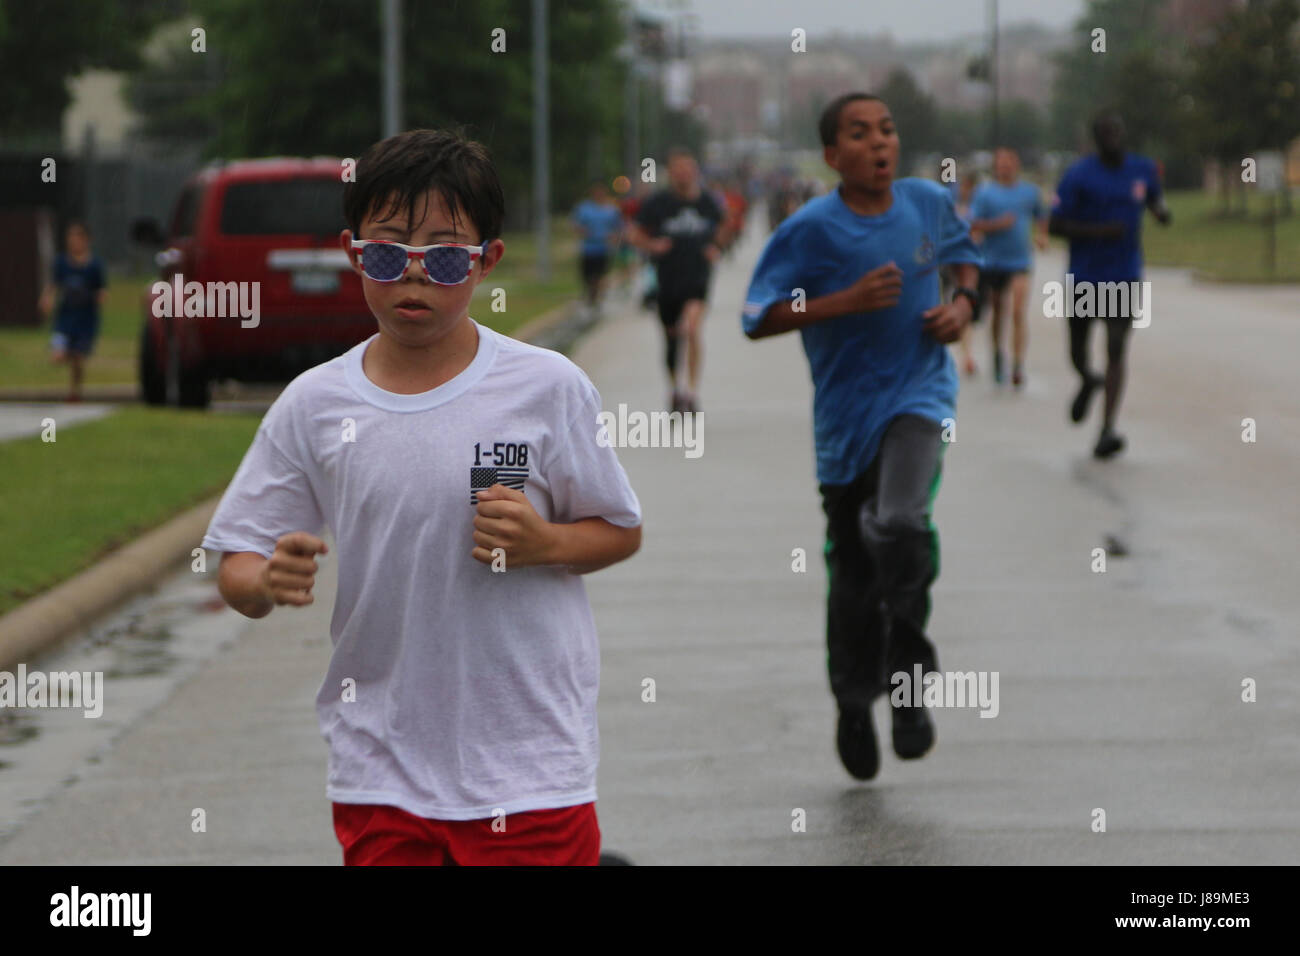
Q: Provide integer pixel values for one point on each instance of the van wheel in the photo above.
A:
(153, 385)
(196, 390)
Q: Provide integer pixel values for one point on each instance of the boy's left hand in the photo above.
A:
(506, 519)
(946, 322)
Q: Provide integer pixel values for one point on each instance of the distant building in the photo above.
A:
(748, 88)
(1194, 20)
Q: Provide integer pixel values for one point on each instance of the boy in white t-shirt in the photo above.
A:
(461, 476)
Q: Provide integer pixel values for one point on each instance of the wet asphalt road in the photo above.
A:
(1118, 691)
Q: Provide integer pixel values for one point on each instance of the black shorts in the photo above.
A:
(671, 306)
(995, 280)
(594, 266)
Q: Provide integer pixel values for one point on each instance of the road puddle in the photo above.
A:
(144, 650)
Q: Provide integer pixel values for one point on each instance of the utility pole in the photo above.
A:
(392, 68)
(541, 143)
(993, 76)
(632, 97)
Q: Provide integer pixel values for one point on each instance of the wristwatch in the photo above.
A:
(970, 294)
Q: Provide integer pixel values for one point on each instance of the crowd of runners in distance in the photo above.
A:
(604, 222)
(664, 241)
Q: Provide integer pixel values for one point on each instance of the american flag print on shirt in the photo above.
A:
(486, 477)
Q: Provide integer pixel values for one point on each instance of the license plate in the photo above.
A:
(314, 282)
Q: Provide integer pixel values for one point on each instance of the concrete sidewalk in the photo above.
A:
(1119, 691)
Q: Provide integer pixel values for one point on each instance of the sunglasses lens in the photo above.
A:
(382, 262)
(447, 266)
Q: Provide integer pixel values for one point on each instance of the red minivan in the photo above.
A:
(274, 223)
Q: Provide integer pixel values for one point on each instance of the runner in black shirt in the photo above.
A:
(683, 228)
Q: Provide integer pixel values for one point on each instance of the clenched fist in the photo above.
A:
(290, 574)
(506, 519)
(878, 289)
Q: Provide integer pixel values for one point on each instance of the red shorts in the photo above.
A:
(374, 835)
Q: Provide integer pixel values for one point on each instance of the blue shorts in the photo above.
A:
(74, 334)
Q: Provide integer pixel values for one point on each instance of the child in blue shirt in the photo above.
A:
(856, 272)
(77, 285)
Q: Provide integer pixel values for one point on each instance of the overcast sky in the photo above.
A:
(910, 21)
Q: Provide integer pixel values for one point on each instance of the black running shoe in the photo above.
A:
(1108, 445)
(999, 372)
(913, 732)
(856, 741)
(1079, 407)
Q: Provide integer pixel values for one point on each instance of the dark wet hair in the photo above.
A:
(828, 127)
(393, 175)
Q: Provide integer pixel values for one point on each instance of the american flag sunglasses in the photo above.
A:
(445, 263)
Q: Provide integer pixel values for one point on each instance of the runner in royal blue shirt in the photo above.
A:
(856, 273)
(1098, 207)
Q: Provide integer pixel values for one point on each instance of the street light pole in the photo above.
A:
(632, 98)
(392, 68)
(541, 143)
(993, 76)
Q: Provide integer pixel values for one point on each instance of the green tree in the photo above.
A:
(1021, 125)
(43, 44)
(915, 114)
(303, 77)
(1246, 86)
(1140, 74)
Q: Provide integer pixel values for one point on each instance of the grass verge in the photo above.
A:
(1227, 248)
(103, 483)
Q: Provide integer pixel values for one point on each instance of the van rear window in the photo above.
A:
(283, 207)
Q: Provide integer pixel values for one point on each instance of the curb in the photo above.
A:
(537, 328)
(40, 625)
(57, 393)
(1201, 275)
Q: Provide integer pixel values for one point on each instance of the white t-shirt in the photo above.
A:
(475, 690)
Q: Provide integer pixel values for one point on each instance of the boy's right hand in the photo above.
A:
(878, 289)
(290, 574)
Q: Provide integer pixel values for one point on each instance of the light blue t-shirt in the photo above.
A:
(867, 367)
(1009, 250)
(598, 222)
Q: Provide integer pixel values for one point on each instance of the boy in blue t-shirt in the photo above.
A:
(599, 220)
(856, 271)
(1002, 212)
(77, 284)
(1098, 207)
